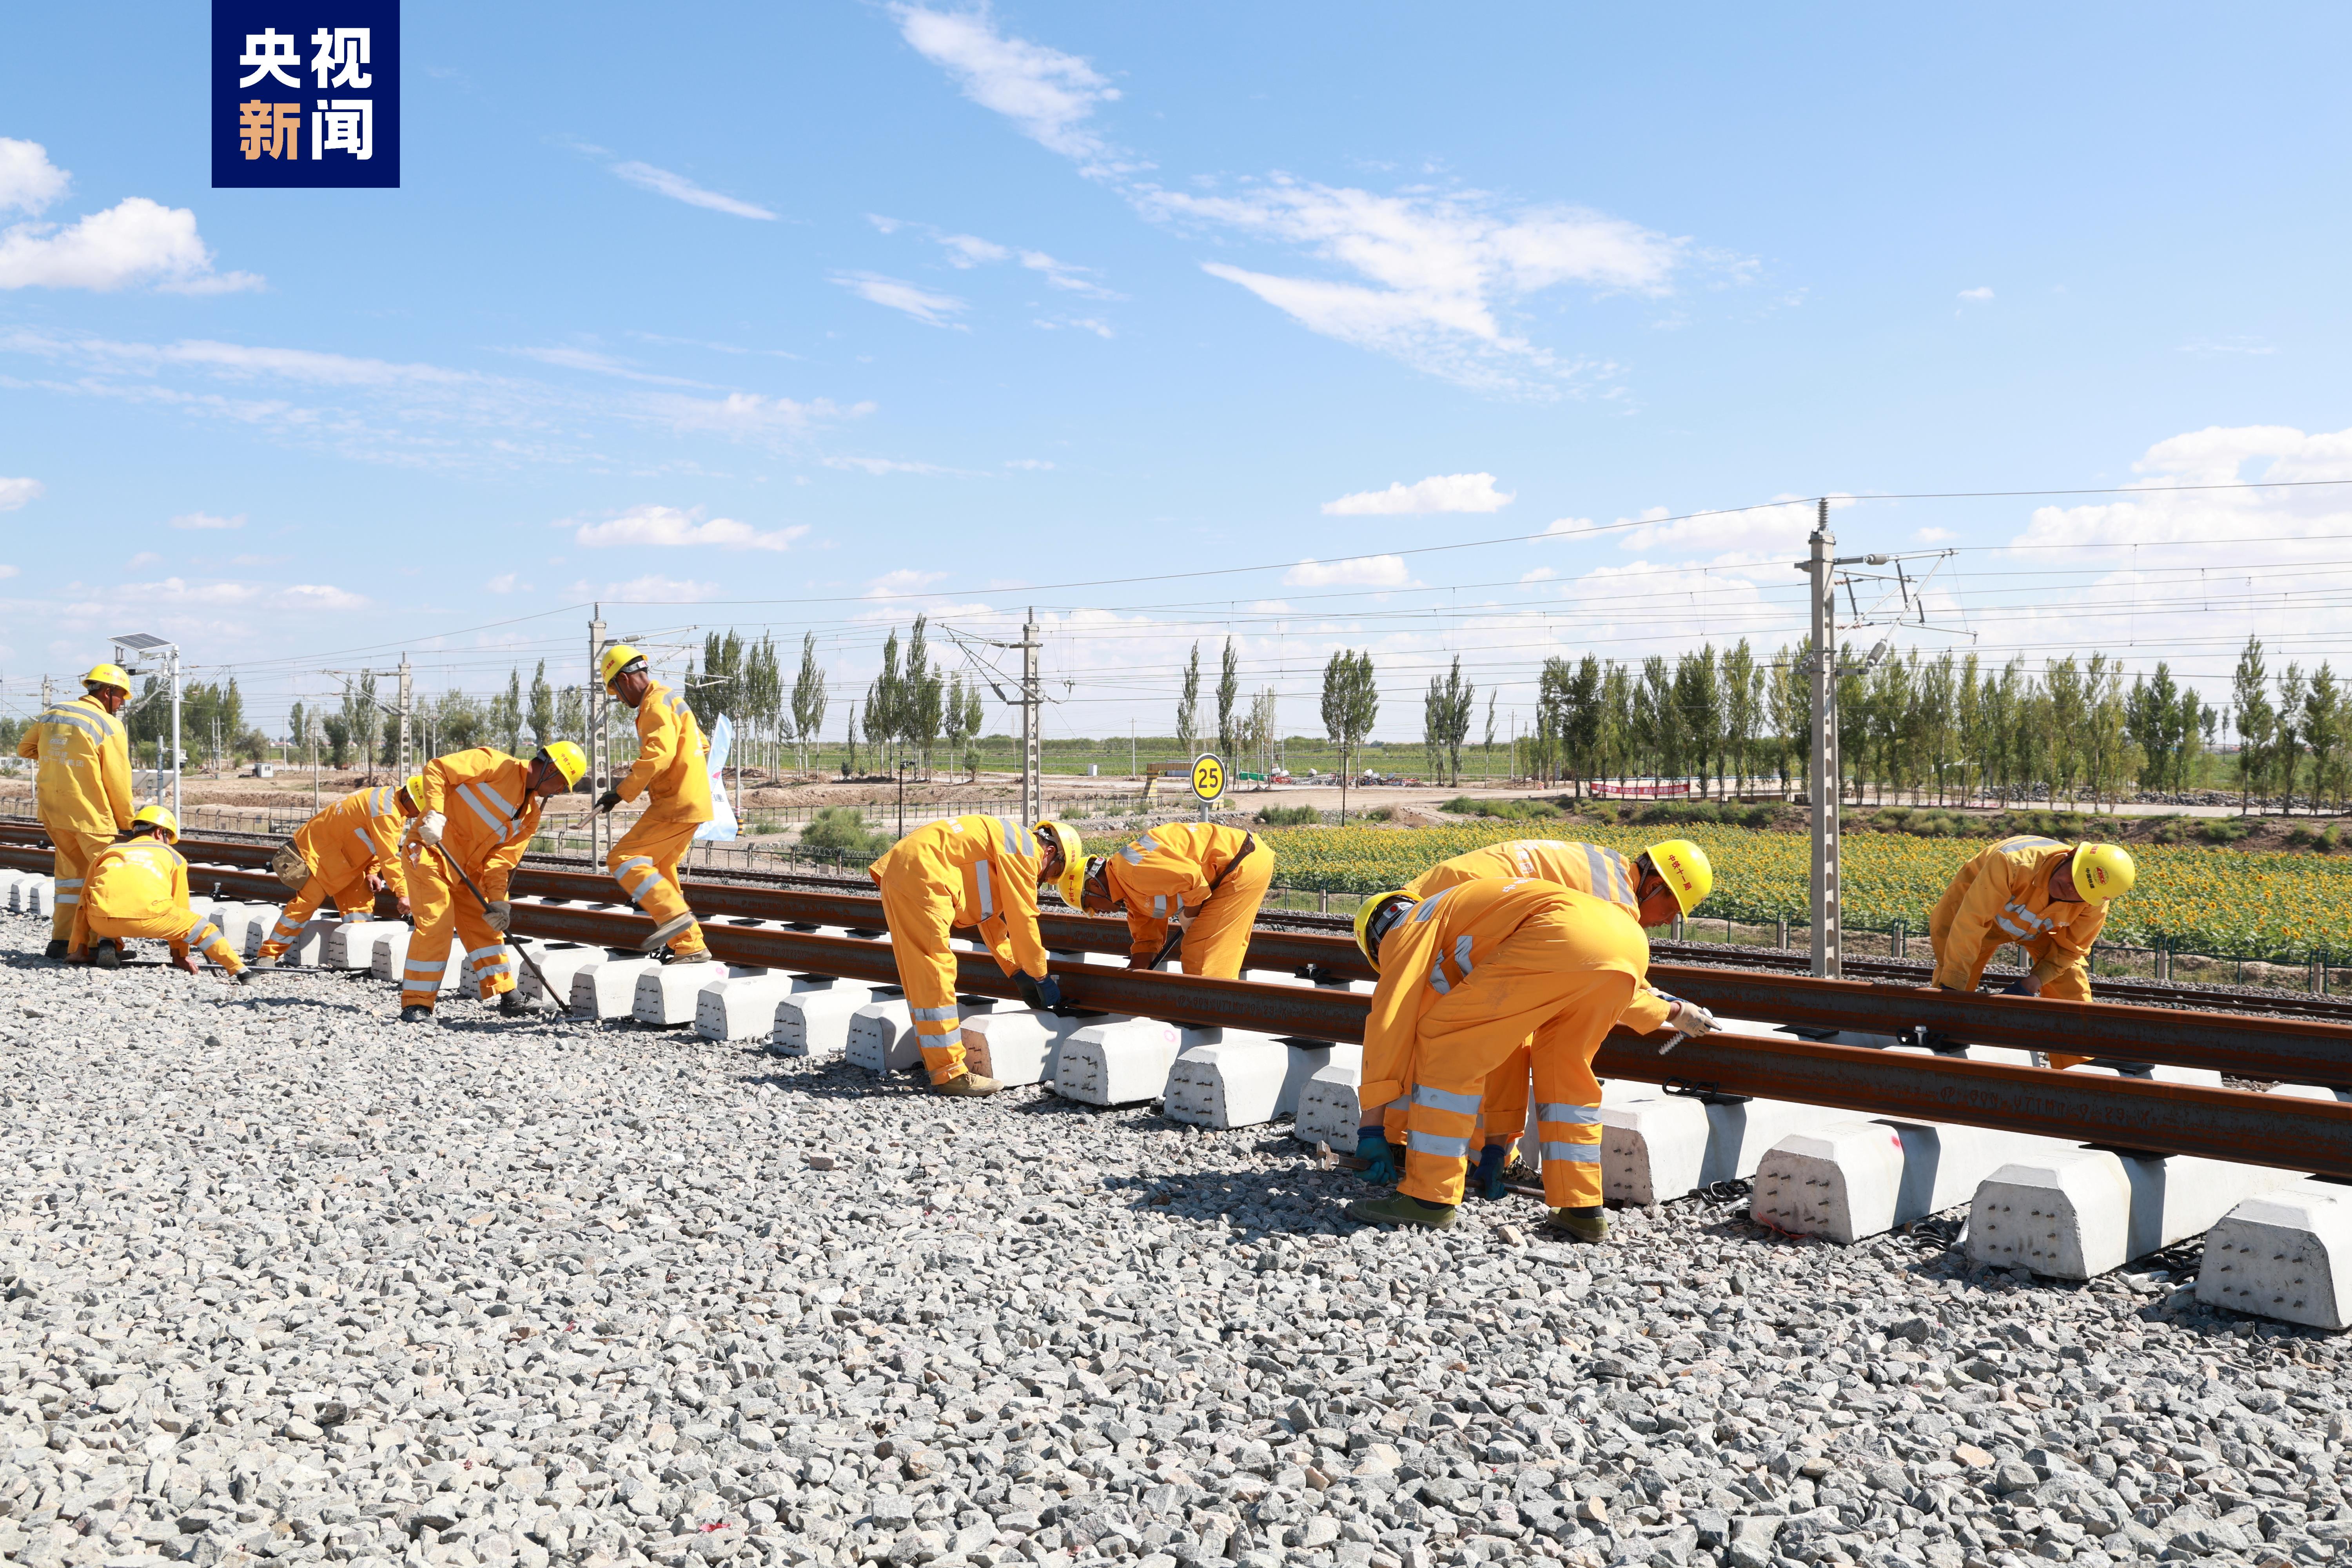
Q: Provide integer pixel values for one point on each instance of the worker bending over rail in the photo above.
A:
(973, 870)
(481, 809)
(350, 852)
(1205, 881)
(673, 767)
(2049, 898)
(1467, 975)
(1668, 880)
(82, 788)
(140, 889)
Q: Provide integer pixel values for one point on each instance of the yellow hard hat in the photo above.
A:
(1072, 882)
(2102, 872)
(1685, 867)
(112, 675)
(414, 788)
(160, 819)
(569, 760)
(617, 658)
(1383, 910)
(1073, 849)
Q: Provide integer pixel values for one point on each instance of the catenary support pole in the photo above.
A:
(595, 737)
(1825, 776)
(1032, 720)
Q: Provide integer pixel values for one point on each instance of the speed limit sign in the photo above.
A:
(1208, 777)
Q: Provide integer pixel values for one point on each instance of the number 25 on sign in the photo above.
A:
(1208, 777)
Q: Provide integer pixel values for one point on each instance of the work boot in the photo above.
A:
(107, 955)
(1398, 1208)
(675, 926)
(699, 955)
(967, 1086)
(266, 961)
(417, 1013)
(57, 949)
(245, 976)
(1578, 1225)
(515, 1005)
(1492, 1176)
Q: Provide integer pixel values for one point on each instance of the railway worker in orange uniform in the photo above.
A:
(1205, 879)
(1668, 880)
(673, 769)
(2049, 898)
(82, 788)
(140, 889)
(1469, 974)
(973, 870)
(348, 853)
(479, 810)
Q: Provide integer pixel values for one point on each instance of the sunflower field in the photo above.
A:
(2195, 897)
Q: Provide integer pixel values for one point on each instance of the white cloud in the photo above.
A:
(259, 560)
(1101, 329)
(747, 413)
(144, 558)
(1366, 572)
(28, 181)
(890, 466)
(227, 593)
(504, 582)
(16, 493)
(925, 306)
(903, 582)
(133, 241)
(652, 589)
(1031, 463)
(2238, 345)
(10, 571)
(1786, 523)
(678, 188)
(1976, 296)
(602, 365)
(1934, 535)
(969, 250)
(207, 519)
(1048, 94)
(667, 526)
(1439, 492)
(1540, 575)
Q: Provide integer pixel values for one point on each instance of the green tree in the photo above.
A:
(885, 699)
(2257, 723)
(571, 715)
(2287, 747)
(1351, 703)
(1743, 710)
(541, 709)
(1188, 706)
(507, 715)
(925, 689)
(1229, 694)
(1698, 714)
(1445, 721)
(2323, 733)
(808, 698)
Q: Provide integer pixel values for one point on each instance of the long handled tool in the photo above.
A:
(561, 1006)
(1183, 921)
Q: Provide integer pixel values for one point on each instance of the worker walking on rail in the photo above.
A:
(1668, 879)
(347, 853)
(673, 769)
(140, 889)
(82, 788)
(982, 871)
(478, 811)
(1467, 975)
(1197, 877)
(2047, 897)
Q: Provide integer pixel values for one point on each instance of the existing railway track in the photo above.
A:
(765, 924)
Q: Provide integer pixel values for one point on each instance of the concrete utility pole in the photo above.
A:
(407, 689)
(596, 779)
(1823, 778)
(1033, 704)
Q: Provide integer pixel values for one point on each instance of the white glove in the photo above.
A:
(1689, 1020)
(429, 827)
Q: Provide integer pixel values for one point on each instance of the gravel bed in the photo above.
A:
(284, 1280)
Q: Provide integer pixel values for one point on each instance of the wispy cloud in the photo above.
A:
(1032, 463)
(930, 309)
(1439, 492)
(206, 520)
(504, 582)
(967, 251)
(668, 527)
(16, 493)
(678, 188)
(898, 583)
(135, 241)
(2230, 346)
(651, 589)
(1367, 571)
(1976, 296)
(1048, 94)
(602, 365)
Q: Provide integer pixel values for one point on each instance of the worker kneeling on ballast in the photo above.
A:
(1467, 975)
(82, 786)
(1668, 879)
(1195, 880)
(140, 889)
(2049, 898)
(479, 811)
(973, 870)
(673, 769)
(348, 853)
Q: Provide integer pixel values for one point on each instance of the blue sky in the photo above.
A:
(807, 319)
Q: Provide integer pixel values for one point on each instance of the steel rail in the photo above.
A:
(2298, 1134)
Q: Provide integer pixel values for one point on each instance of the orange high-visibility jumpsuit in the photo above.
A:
(673, 766)
(2003, 895)
(1469, 974)
(141, 889)
(1173, 867)
(1579, 867)
(491, 818)
(83, 792)
(965, 871)
(343, 845)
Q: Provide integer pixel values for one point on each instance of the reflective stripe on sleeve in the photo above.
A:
(932, 1014)
(197, 931)
(1428, 905)
(1577, 1115)
(987, 891)
(1437, 1143)
(1572, 1154)
(1444, 1100)
(495, 823)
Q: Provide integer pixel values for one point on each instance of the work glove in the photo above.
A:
(608, 800)
(2026, 985)
(428, 828)
(1383, 1161)
(499, 916)
(1487, 1178)
(1689, 1020)
(1044, 994)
